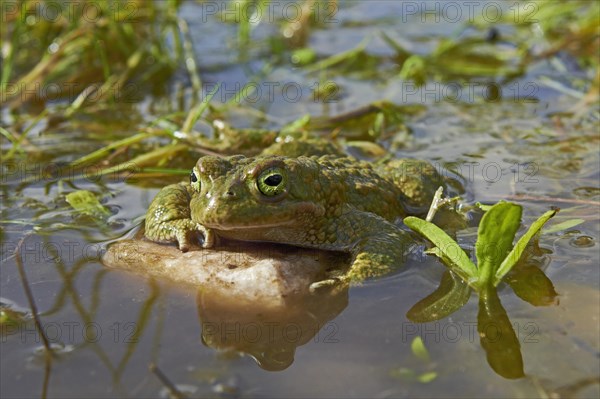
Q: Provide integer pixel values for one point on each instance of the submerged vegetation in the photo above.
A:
(87, 53)
(72, 61)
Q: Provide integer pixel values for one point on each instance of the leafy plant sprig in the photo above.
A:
(496, 256)
(494, 251)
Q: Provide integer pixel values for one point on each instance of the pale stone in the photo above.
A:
(244, 273)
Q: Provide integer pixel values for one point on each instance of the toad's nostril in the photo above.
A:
(233, 190)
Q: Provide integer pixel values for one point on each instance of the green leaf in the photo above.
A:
(447, 249)
(497, 336)
(452, 294)
(495, 237)
(567, 224)
(419, 350)
(12, 317)
(513, 257)
(86, 202)
(532, 285)
(414, 68)
(427, 377)
(303, 56)
(452, 266)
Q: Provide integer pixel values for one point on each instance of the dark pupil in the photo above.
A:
(273, 180)
(193, 177)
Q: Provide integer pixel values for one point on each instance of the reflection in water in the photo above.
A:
(496, 333)
(269, 335)
(252, 298)
(497, 336)
(258, 304)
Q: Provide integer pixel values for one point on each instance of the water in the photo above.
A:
(110, 325)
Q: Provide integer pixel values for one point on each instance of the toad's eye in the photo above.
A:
(194, 181)
(272, 182)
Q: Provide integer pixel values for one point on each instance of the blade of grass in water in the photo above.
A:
(7, 62)
(567, 224)
(197, 111)
(17, 140)
(103, 58)
(337, 58)
(105, 151)
(243, 20)
(190, 59)
(108, 42)
(153, 156)
(112, 85)
(247, 20)
(244, 92)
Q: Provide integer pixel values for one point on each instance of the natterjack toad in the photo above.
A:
(327, 202)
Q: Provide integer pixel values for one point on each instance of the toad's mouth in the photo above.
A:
(296, 214)
(255, 225)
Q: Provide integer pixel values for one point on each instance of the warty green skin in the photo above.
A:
(328, 203)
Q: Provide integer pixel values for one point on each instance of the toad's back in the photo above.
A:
(343, 182)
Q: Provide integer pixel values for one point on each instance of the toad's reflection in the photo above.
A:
(270, 335)
(253, 298)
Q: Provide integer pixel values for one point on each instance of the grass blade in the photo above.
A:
(340, 57)
(197, 111)
(567, 224)
(105, 151)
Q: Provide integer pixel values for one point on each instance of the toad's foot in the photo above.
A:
(373, 257)
(183, 231)
(169, 218)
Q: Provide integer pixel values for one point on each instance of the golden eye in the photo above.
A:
(194, 180)
(272, 182)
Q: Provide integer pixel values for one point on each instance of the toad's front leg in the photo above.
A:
(381, 247)
(169, 218)
(379, 255)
